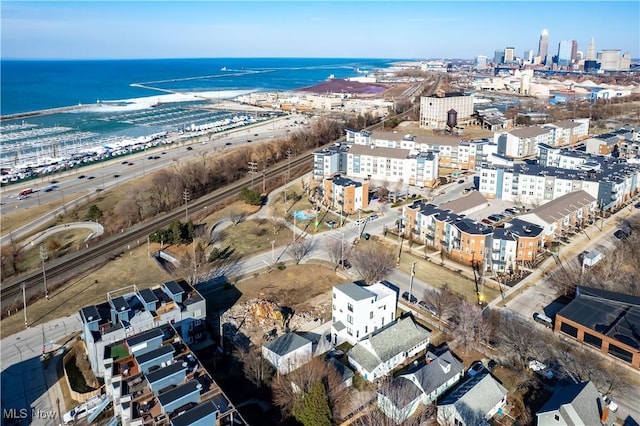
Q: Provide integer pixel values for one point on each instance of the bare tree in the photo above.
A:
(373, 262)
(289, 390)
(236, 215)
(300, 249)
(444, 301)
(385, 410)
(257, 369)
(470, 325)
(337, 250)
(566, 277)
(520, 341)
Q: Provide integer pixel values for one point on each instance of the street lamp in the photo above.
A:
(43, 257)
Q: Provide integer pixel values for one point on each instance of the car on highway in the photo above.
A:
(125, 163)
(228, 143)
(90, 177)
(81, 177)
(130, 163)
(476, 367)
(150, 157)
(189, 148)
(116, 176)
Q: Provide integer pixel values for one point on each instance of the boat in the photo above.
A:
(331, 77)
(223, 69)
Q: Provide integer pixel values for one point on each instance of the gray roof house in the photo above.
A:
(423, 385)
(473, 402)
(576, 404)
(377, 355)
(288, 352)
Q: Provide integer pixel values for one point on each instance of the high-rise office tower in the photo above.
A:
(527, 57)
(498, 57)
(543, 45)
(481, 61)
(591, 51)
(509, 55)
(564, 53)
(574, 51)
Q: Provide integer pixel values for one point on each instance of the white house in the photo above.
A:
(573, 404)
(473, 403)
(382, 352)
(287, 352)
(422, 386)
(360, 310)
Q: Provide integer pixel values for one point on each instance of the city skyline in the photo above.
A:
(365, 29)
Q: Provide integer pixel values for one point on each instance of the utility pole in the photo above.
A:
(253, 169)
(289, 155)
(185, 197)
(43, 257)
(413, 273)
(273, 251)
(24, 303)
(264, 177)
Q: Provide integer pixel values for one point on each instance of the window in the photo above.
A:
(349, 332)
(366, 329)
(349, 307)
(349, 319)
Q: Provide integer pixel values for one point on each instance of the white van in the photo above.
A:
(543, 319)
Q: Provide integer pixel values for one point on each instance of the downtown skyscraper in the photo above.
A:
(543, 46)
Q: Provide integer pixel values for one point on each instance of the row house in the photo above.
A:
(611, 182)
(562, 215)
(522, 142)
(518, 242)
(154, 378)
(464, 239)
(345, 195)
(392, 165)
(136, 311)
(360, 310)
(604, 144)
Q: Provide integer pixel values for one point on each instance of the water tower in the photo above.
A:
(452, 119)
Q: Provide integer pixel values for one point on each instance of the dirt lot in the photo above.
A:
(263, 302)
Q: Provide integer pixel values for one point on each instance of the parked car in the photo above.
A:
(621, 234)
(612, 405)
(487, 221)
(541, 369)
(461, 181)
(476, 367)
(491, 365)
(373, 217)
(426, 306)
(637, 205)
(494, 218)
(405, 296)
(331, 223)
(543, 319)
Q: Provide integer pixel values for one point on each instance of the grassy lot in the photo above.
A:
(437, 276)
(56, 245)
(127, 270)
(255, 236)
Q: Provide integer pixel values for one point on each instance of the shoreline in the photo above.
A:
(37, 113)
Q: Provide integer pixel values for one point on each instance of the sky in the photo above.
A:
(323, 29)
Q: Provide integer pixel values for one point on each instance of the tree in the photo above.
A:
(520, 341)
(236, 215)
(313, 409)
(470, 325)
(288, 390)
(250, 196)
(373, 262)
(94, 213)
(300, 249)
(337, 250)
(255, 368)
(444, 300)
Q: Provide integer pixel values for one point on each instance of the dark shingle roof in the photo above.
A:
(179, 392)
(198, 412)
(287, 343)
(144, 336)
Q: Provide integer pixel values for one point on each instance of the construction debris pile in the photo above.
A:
(258, 318)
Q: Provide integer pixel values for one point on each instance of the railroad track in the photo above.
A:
(78, 263)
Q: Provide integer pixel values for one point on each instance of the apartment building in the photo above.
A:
(360, 310)
(522, 142)
(434, 109)
(132, 311)
(330, 161)
(154, 379)
(392, 165)
(568, 132)
(345, 195)
(612, 183)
